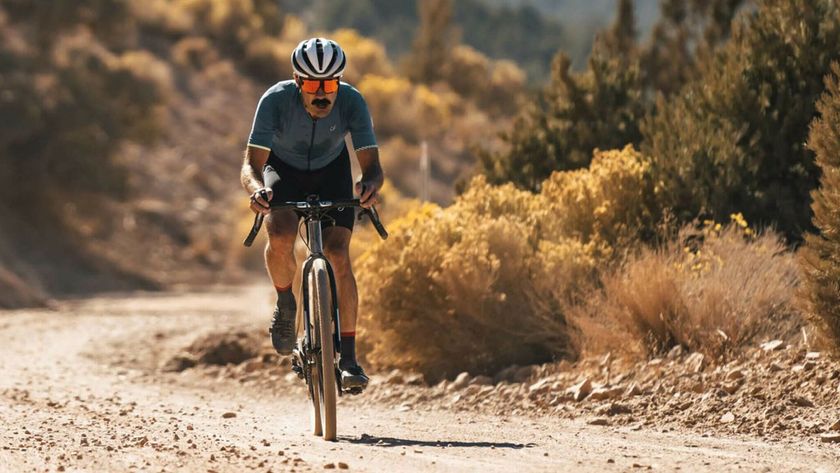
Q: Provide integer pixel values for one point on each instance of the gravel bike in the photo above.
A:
(315, 359)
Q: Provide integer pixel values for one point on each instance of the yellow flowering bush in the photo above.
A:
(364, 55)
(399, 107)
(608, 204)
(488, 277)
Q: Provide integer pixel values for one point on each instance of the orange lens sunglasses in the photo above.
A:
(311, 86)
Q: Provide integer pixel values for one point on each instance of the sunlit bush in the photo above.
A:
(490, 275)
(399, 107)
(194, 52)
(609, 204)
(364, 55)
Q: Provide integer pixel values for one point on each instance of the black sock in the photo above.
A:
(348, 349)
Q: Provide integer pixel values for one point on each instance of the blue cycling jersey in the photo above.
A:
(282, 125)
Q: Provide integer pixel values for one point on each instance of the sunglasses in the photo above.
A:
(311, 86)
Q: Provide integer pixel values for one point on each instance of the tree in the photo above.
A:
(577, 112)
(687, 31)
(433, 43)
(733, 139)
(820, 256)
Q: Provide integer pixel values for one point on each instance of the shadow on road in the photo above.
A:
(366, 439)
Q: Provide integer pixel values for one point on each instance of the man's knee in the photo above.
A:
(282, 231)
(337, 249)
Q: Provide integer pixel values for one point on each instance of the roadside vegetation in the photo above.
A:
(676, 191)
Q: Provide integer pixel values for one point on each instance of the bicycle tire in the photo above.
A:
(320, 309)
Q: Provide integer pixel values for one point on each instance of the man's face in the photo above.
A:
(319, 103)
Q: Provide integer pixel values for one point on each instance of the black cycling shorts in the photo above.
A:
(332, 182)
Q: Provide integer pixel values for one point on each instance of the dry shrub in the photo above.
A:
(399, 107)
(194, 52)
(364, 55)
(609, 204)
(714, 291)
(489, 276)
(268, 59)
(496, 84)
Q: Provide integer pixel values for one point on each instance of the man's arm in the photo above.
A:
(251, 177)
(372, 176)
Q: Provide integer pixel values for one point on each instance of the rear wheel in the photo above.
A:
(323, 391)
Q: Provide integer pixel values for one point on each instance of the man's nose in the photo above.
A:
(320, 92)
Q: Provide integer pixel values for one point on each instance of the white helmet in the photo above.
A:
(318, 58)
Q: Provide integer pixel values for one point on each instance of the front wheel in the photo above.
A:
(324, 387)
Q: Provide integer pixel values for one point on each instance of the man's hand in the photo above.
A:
(260, 200)
(368, 191)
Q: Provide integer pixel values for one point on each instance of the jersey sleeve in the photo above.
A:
(265, 122)
(360, 123)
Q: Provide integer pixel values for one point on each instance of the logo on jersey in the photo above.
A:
(332, 128)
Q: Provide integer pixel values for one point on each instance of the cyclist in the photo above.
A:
(299, 128)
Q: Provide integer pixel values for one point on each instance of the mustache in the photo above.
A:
(321, 102)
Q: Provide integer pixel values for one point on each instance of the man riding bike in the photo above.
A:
(299, 129)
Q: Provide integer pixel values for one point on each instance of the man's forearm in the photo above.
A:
(251, 180)
(252, 164)
(369, 164)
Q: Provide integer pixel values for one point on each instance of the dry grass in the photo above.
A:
(713, 291)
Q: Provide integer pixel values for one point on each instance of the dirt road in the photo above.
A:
(80, 390)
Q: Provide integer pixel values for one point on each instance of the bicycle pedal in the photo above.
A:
(297, 368)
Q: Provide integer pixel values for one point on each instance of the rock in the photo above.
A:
(655, 362)
(482, 380)
(179, 363)
(395, 377)
(675, 352)
(228, 415)
(734, 375)
(775, 367)
(633, 390)
(697, 387)
(329, 466)
(343, 466)
(614, 409)
(812, 355)
(602, 393)
(540, 387)
(254, 365)
(808, 365)
(415, 379)
(731, 388)
(832, 438)
(802, 401)
(599, 421)
(461, 382)
(581, 390)
(695, 362)
(727, 418)
(773, 345)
